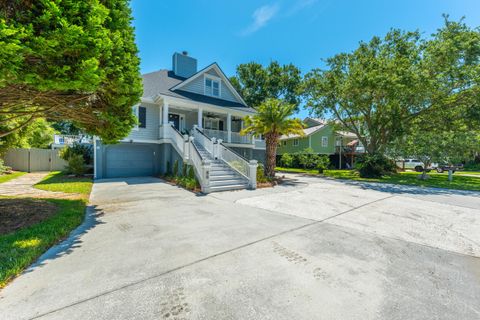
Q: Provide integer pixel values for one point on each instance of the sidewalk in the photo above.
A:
(23, 186)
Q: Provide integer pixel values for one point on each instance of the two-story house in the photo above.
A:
(190, 116)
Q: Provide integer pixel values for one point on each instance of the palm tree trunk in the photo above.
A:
(271, 141)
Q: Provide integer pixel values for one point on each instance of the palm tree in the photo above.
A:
(272, 120)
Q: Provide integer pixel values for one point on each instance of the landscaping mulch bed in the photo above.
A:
(269, 184)
(18, 213)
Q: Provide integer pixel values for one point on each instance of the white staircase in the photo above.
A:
(217, 167)
(222, 176)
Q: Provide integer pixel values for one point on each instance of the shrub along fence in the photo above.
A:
(33, 160)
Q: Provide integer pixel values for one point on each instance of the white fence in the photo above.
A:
(32, 160)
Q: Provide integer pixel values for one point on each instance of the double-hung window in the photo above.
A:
(141, 114)
(295, 142)
(212, 87)
(324, 141)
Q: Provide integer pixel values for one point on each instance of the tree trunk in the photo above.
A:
(426, 165)
(271, 141)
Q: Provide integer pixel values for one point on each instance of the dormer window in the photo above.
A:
(212, 86)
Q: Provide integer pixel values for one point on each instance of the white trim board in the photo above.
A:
(219, 71)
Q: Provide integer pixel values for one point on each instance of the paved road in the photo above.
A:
(310, 249)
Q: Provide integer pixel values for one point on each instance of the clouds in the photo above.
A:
(300, 5)
(264, 14)
(261, 16)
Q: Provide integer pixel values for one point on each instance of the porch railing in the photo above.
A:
(218, 134)
(235, 137)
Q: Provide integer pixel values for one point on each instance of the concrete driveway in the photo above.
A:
(310, 249)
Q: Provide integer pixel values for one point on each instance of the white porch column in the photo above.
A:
(229, 127)
(165, 113)
(164, 119)
(200, 117)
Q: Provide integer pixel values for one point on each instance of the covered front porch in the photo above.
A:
(214, 122)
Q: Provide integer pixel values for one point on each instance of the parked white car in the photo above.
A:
(414, 164)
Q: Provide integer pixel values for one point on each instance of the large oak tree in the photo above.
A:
(257, 83)
(380, 88)
(68, 60)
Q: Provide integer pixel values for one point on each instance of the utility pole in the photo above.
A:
(339, 144)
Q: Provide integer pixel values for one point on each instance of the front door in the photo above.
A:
(175, 119)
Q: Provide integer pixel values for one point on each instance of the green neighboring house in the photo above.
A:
(321, 137)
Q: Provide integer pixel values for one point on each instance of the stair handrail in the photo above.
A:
(177, 138)
(234, 160)
(200, 165)
(203, 139)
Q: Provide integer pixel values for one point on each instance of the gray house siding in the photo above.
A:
(197, 86)
(150, 132)
(109, 163)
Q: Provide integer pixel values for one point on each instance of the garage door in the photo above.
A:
(129, 161)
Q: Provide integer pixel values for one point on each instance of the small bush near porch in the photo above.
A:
(183, 177)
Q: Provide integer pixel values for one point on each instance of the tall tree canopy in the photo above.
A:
(380, 88)
(256, 83)
(68, 60)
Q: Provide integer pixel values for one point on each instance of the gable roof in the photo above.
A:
(220, 72)
(307, 132)
(165, 82)
(315, 121)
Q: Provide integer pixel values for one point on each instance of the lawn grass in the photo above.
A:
(475, 173)
(58, 181)
(297, 170)
(21, 248)
(437, 180)
(11, 176)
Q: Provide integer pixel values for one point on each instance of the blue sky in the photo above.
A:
(302, 32)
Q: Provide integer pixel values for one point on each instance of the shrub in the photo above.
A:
(76, 165)
(375, 166)
(187, 183)
(323, 162)
(3, 167)
(167, 171)
(261, 173)
(472, 166)
(85, 150)
(286, 160)
(306, 159)
(175, 168)
(191, 172)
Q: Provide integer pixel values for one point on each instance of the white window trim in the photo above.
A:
(212, 78)
(295, 142)
(324, 141)
(135, 109)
